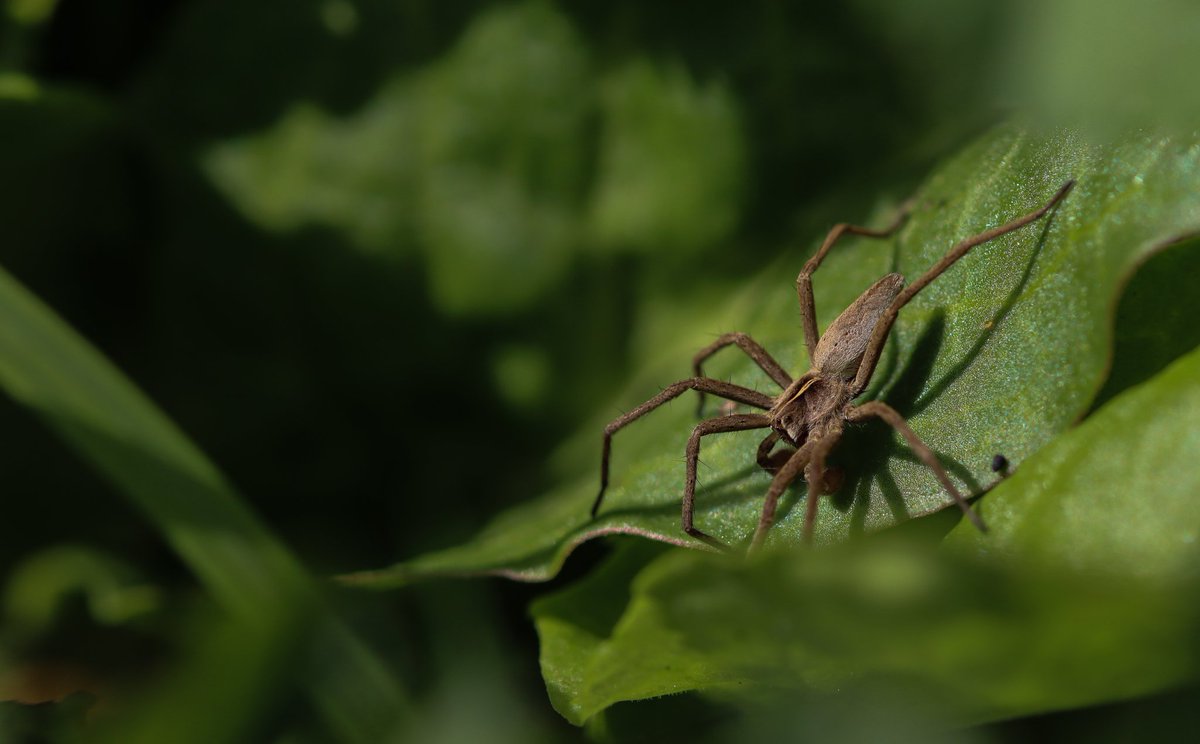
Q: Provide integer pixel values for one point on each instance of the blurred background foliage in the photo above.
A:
(376, 257)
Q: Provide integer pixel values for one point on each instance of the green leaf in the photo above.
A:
(40, 584)
(574, 623)
(251, 575)
(1156, 320)
(670, 162)
(1000, 354)
(1083, 592)
(1106, 65)
(494, 201)
(1117, 494)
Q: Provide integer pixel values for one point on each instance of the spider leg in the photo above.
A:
(703, 384)
(808, 312)
(736, 422)
(814, 473)
(753, 349)
(788, 473)
(771, 461)
(891, 416)
(879, 336)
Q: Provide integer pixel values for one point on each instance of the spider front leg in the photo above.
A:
(883, 327)
(814, 474)
(808, 311)
(785, 476)
(768, 460)
(753, 349)
(736, 422)
(703, 384)
(892, 416)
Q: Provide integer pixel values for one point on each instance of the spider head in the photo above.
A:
(805, 406)
(791, 425)
(790, 416)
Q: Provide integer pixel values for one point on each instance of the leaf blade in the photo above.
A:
(98, 412)
(1081, 593)
(1000, 354)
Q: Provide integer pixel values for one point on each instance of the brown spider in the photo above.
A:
(812, 411)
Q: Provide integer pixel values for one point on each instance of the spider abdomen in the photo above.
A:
(841, 348)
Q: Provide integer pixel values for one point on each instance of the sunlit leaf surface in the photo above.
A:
(1003, 352)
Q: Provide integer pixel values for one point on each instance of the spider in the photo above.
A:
(813, 409)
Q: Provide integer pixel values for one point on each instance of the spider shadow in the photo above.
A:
(718, 492)
(988, 331)
(865, 451)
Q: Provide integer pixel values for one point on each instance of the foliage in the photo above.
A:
(992, 626)
(999, 355)
(389, 266)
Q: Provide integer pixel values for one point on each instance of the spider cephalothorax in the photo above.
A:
(813, 409)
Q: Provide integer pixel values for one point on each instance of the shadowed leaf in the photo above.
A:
(1081, 564)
